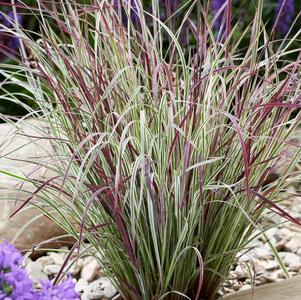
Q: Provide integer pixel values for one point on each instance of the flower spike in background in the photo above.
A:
(215, 6)
(8, 42)
(122, 6)
(284, 15)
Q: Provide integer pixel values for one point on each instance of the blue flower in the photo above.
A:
(122, 6)
(64, 290)
(9, 256)
(16, 285)
(173, 4)
(285, 14)
(8, 42)
(14, 281)
(215, 7)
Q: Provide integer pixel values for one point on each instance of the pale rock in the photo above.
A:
(236, 287)
(298, 252)
(88, 288)
(100, 273)
(292, 273)
(254, 243)
(261, 279)
(284, 233)
(289, 258)
(270, 265)
(90, 270)
(109, 291)
(298, 208)
(51, 269)
(97, 295)
(243, 257)
(232, 276)
(84, 296)
(23, 151)
(295, 267)
(279, 246)
(45, 260)
(76, 266)
(87, 259)
(57, 258)
(26, 261)
(257, 265)
(270, 233)
(272, 276)
(241, 272)
(34, 271)
(280, 274)
(99, 288)
(294, 227)
(99, 283)
(81, 283)
(293, 245)
(262, 253)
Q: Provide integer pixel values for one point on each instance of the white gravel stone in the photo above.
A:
(51, 269)
(270, 265)
(290, 258)
(90, 270)
(45, 260)
(241, 272)
(97, 295)
(261, 253)
(284, 233)
(257, 265)
(76, 266)
(270, 233)
(84, 296)
(109, 291)
(244, 257)
(80, 285)
(58, 259)
(100, 288)
(293, 245)
(295, 267)
(245, 287)
(34, 270)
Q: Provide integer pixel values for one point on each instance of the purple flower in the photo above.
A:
(215, 6)
(169, 7)
(173, 5)
(16, 285)
(14, 281)
(64, 290)
(8, 42)
(9, 256)
(285, 11)
(122, 6)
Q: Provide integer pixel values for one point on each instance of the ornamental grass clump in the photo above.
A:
(164, 155)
